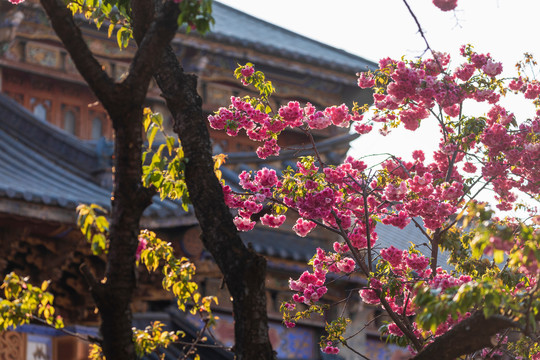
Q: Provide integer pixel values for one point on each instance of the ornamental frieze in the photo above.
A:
(12, 346)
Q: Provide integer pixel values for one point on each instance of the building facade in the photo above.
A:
(56, 153)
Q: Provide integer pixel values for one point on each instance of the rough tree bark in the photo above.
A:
(472, 334)
(124, 104)
(243, 269)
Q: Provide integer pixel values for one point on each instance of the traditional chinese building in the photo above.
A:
(55, 153)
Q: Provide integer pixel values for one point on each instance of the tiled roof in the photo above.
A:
(282, 244)
(235, 27)
(40, 164)
(31, 176)
(28, 172)
(286, 245)
(403, 238)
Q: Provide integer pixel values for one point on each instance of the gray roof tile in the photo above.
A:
(236, 27)
(33, 168)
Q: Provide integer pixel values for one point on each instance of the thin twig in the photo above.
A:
(195, 342)
(421, 228)
(364, 327)
(213, 346)
(423, 36)
(368, 234)
(87, 338)
(356, 352)
(314, 146)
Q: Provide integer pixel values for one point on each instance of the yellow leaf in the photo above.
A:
(109, 33)
(44, 285)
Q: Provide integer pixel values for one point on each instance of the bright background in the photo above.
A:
(375, 29)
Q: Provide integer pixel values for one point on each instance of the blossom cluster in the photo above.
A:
(351, 201)
(254, 116)
(309, 287)
(246, 114)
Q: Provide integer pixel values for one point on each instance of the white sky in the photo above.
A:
(375, 29)
(378, 28)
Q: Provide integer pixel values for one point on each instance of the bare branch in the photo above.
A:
(71, 36)
(422, 34)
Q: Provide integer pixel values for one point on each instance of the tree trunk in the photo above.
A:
(243, 269)
(124, 104)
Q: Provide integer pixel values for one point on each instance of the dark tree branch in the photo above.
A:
(244, 270)
(417, 343)
(159, 34)
(71, 36)
(470, 335)
(124, 104)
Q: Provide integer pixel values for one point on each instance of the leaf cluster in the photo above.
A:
(165, 172)
(196, 14)
(94, 226)
(178, 275)
(23, 302)
(335, 331)
(154, 337)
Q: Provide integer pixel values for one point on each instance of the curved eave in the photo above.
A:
(247, 31)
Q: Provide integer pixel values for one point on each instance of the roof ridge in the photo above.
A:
(290, 32)
(27, 123)
(248, 30)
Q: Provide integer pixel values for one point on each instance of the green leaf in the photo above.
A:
(170, 144)
(119, 37)
(151, 135)
(102, 223)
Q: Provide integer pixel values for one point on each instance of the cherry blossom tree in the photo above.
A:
(490, 295)
(485, 306)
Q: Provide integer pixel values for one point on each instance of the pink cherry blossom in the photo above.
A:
(292, 114)
(365, 81)
(272, 220)
(243, 224)
(318, 120)
(339, 115)
(270, 148)
(247, 71)
(393, 256)
(533, 90)
(465, 71)
(303, 227)
(492, 68)
(142, 245)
